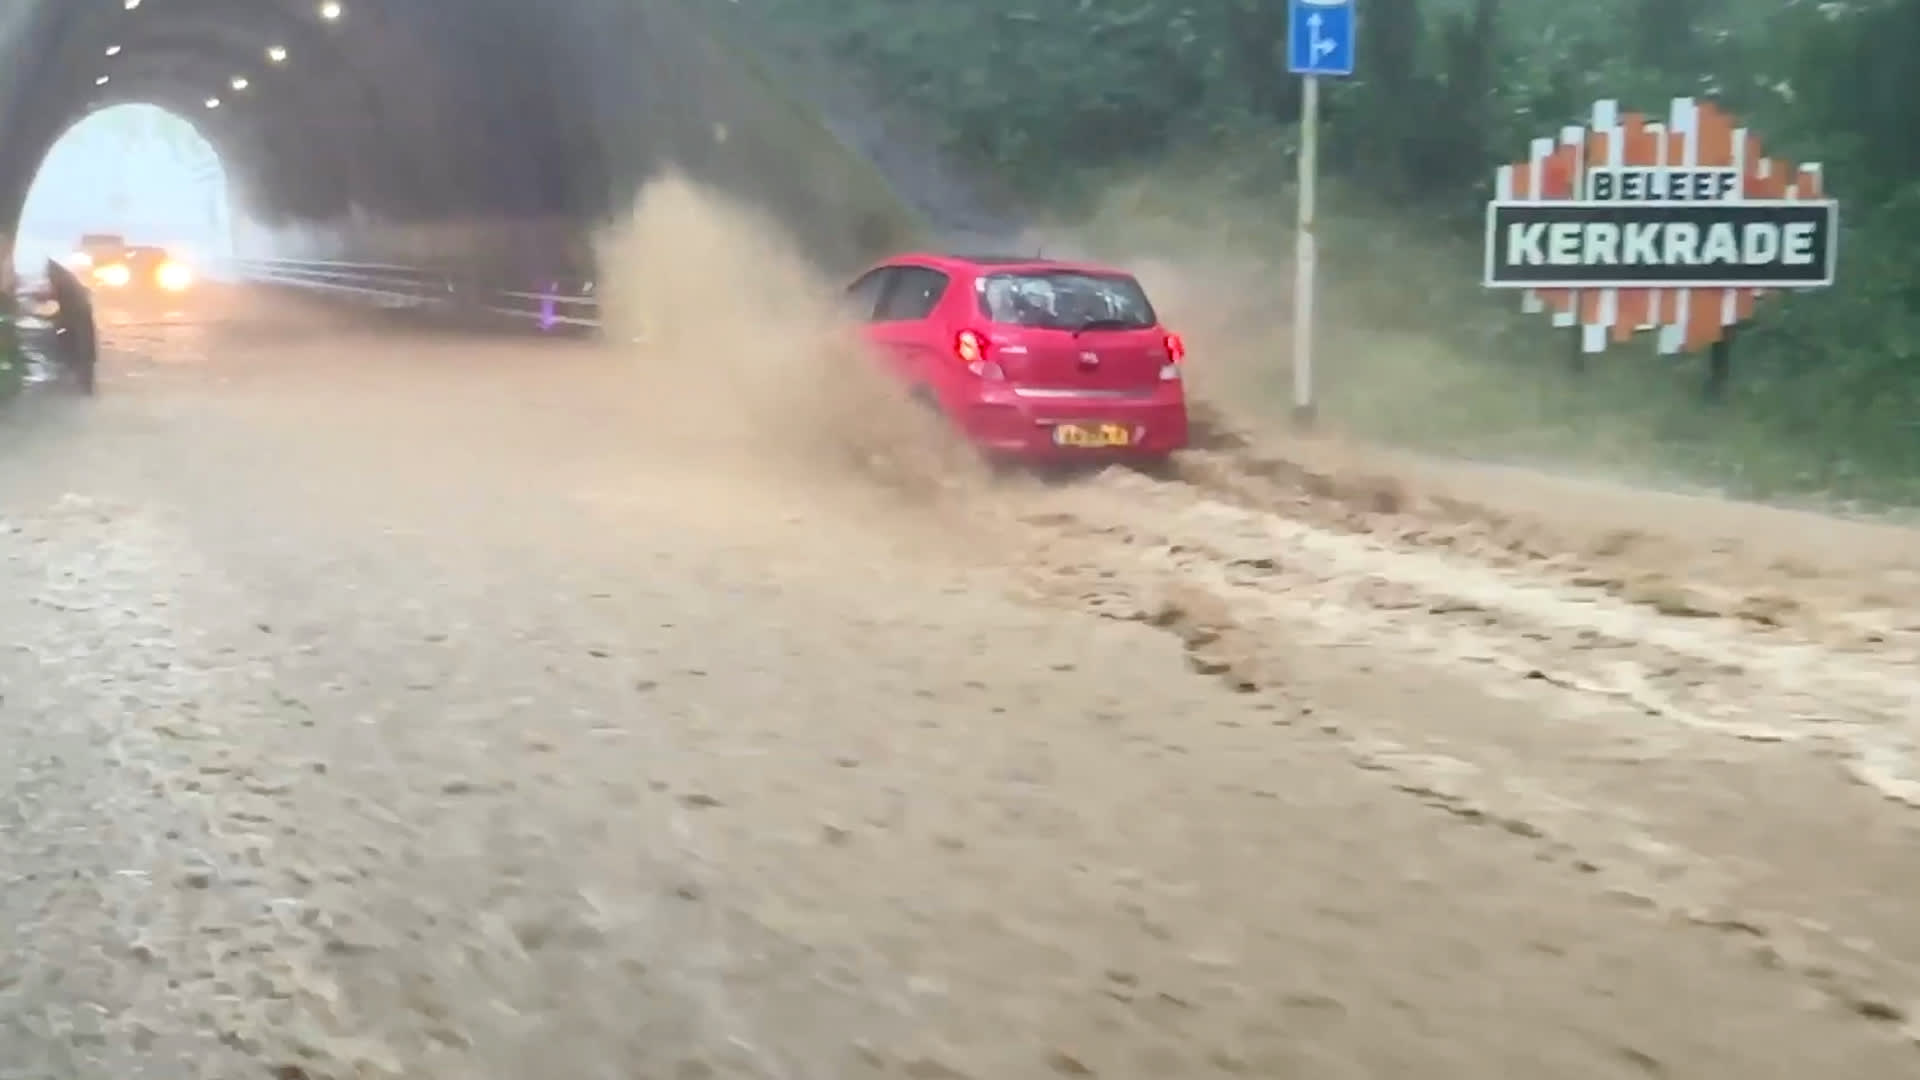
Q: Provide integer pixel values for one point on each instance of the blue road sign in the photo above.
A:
(1320, 37)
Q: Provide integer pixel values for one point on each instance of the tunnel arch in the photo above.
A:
(385, 86)
(307, 155)
(403, 124)
(285, 117)
(175, 188)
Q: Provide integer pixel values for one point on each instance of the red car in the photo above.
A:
(1028, 357)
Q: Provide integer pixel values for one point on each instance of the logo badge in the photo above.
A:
(1089, 359)
(1679, 224)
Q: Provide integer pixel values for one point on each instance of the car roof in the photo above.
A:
(1001, 263)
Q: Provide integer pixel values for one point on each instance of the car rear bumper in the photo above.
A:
(1021, 422)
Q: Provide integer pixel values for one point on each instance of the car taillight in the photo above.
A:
(1176, 352)
(971, 347)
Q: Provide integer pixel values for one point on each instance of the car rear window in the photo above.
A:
(1065, 300)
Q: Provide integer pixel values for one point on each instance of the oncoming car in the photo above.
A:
(140, 272)
(130, 275)
(1030, 358)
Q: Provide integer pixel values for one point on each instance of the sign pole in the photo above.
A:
(1304, 253)
(1320, 40)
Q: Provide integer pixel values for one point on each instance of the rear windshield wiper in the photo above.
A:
(1103, 324)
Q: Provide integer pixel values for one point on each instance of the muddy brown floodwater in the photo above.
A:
(397, 706)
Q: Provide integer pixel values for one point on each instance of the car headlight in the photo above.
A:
(174, 276)
(114, 276)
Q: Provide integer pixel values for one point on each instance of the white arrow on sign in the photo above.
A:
(1318, 45)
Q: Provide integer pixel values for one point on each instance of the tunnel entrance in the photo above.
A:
(493, 136)
(138, 171)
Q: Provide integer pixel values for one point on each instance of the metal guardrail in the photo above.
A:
(395, 287)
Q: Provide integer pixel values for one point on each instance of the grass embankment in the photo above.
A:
(1414, 353)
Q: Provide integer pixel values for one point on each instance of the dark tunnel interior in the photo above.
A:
(409, 129)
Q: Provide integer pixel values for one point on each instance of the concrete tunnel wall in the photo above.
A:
(490, 133)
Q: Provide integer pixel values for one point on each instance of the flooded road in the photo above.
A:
(401, 706)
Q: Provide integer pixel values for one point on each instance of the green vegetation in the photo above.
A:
(1180, 118)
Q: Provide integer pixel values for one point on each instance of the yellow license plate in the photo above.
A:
(1092, 435)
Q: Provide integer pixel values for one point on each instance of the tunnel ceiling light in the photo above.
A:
(240, 82)
(276, 54)
(131, 4)
(113, 50)
(213, 103)
(102, 81)
(331, 11)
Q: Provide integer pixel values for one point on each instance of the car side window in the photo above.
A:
(915, 292)
(864, 294)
